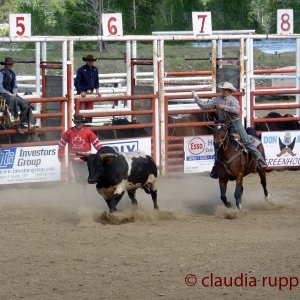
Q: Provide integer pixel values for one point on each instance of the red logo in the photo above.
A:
(196, 146)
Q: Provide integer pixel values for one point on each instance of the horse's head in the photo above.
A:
(220, 134)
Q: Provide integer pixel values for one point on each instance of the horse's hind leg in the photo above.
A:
(263, 181)
(239, 191)
(223, 188)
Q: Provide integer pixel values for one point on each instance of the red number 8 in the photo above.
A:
(285, 24)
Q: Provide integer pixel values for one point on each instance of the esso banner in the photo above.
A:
(282, 148)
(202, 23)
(285, 21)
(19, 25)
(112, 24)
(199, 153)
(29, 164)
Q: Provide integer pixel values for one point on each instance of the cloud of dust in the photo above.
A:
(177, 197)
(131, 216)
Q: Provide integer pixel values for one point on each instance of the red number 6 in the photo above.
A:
(112, 28)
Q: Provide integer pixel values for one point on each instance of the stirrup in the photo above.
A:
(262, 165)
(213, 173)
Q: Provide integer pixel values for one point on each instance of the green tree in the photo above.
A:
(231, 15)
(7, 7)
(39, 24)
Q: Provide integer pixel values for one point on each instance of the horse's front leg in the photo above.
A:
(239, 191)
(223, 188)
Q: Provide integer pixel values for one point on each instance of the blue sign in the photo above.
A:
(7, 158)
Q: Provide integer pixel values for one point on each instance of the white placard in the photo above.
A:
(19, 25)
(285, 21)
(129, 145)
(202, 23)
(199, 153)
(112, 24)
(29, 164)
(282, 148)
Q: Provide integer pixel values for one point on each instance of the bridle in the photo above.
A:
(224, 139)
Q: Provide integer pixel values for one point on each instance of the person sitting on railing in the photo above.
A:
(9, 89)
(87, 80)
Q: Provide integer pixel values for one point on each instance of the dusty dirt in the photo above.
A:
(54, 247)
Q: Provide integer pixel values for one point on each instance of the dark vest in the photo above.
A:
(9, 79)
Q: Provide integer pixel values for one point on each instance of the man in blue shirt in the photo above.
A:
(87, 80)
(9, 89)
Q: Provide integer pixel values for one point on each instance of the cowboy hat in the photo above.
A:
(89, 57)
(227, 86)
(7, 61)
(79, 119)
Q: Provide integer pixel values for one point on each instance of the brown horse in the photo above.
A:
(234, 162)
(190, 130)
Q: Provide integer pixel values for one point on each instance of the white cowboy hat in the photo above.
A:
(227, 86)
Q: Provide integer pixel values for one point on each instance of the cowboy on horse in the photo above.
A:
(228, 111)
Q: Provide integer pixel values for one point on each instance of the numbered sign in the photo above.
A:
(19, 25)
(202, 23)
(285, 21)
(112, 24)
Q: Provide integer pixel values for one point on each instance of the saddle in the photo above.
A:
(9, 120)
(254, 141)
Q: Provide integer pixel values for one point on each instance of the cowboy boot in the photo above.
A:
(214, 173)
(19, 129)
(261, 164)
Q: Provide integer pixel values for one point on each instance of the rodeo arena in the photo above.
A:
(59, 238)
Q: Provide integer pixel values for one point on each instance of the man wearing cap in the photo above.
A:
(228, 111)
(9, 89)
(79, 139)
(87, 80)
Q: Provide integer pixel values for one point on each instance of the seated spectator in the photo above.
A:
(9, 89)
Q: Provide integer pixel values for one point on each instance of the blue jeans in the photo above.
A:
(238, 127)
(16, 103)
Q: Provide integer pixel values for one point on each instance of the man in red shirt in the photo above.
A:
(79, 139)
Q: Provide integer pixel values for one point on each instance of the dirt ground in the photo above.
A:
(54, 247)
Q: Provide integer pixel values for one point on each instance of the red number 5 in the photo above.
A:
(112, 28)
(19, 23)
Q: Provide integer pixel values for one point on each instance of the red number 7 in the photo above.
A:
(203, 17)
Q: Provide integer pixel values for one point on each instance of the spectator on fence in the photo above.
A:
(9, 89)
(228, 111)
(79, 139)
(87, 80)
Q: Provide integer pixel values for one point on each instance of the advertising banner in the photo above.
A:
(199, 154)
(282, 149)
(130, 145)
(29, 164)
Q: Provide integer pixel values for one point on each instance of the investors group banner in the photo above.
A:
(29, 164)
